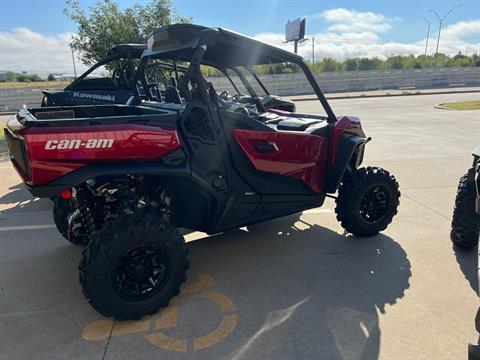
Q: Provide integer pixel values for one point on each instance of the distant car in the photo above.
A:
(121, 61)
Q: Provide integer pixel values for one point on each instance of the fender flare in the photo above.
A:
(476, 152)
(100, 170)
(351, 154)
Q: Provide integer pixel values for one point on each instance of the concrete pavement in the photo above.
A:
(296, 287)
(391, 92)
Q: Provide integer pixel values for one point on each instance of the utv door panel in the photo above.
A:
(266, 183)
(293, 154)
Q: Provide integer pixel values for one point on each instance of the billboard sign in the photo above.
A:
(295, 30)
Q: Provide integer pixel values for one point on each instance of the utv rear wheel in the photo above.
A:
(133, 267)
(465, 222)
(62, 209)
(367, 201)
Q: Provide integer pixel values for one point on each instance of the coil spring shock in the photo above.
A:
(84, 206)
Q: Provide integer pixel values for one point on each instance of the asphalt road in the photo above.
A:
(293, 288)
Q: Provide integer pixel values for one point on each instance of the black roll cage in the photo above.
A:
(125, 51)
(208, 37)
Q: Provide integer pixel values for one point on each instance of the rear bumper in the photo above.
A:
(45, 191)
(96, 170)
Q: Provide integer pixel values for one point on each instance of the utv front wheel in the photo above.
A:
(367, 201)
(465, 222)
(133, 266)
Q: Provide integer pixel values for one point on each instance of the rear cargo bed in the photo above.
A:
(95, 115)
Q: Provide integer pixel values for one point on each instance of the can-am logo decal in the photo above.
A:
(77, 144)
(94, 96)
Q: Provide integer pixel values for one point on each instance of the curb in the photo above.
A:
(441, 107)
(388, 95)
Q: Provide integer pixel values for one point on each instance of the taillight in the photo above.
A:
(66, 194)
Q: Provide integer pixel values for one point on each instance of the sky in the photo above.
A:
(34, 34)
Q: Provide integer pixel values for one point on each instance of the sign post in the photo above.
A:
(295, 31)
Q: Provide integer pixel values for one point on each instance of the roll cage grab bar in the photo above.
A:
(207, 38)
(97, 65)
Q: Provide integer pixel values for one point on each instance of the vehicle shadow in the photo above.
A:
(300, 291)
(18, 198)
(304, 291)
(467, 259)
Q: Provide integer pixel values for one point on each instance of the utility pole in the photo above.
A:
(440, 22)
(73, 60)
(428, 35)
(313, 50)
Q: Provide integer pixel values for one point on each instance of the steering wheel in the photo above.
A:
(224, 95)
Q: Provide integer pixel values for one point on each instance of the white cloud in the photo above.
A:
(345, 20)
(349, 33)
(358, 34)
(341, 15)
(461, 29)
(25, 50)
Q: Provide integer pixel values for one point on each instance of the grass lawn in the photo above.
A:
(463, 105)
(42, 84)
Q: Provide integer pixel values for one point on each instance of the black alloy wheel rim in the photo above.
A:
(141, 273)
(374, 204)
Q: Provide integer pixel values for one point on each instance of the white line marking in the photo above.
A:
(318, 211)
(26, 227)
(189, 238)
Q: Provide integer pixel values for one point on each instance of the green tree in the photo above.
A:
(351, 64)
(105, 24)
(459, 60)
(51, 77)
(475, 60)
(11, 76)
(396, 62)
(34, 78)
(329, 64)
(369, 64)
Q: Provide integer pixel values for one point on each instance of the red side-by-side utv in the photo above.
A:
(126, 177)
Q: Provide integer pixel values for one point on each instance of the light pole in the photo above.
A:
(440, 21)
(73, 60)
(428, 35)
(313, 50)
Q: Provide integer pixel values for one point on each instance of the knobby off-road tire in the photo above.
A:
(465, 222)
(367, 201)
(62, 208)
(134, 250)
